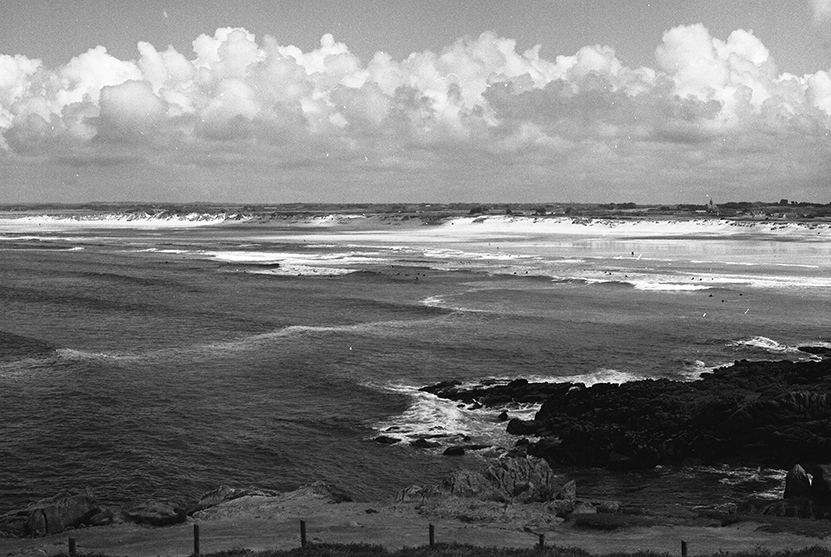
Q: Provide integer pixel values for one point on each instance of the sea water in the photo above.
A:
(160, 362)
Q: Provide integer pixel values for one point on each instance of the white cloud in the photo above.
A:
(586, 116)
(822, 11)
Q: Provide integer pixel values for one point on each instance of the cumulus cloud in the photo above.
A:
(822, 11)
(710, 107)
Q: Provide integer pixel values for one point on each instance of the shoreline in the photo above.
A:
(625, 223)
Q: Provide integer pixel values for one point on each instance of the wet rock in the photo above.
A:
(822, 351)
(422, 443)
(386, 440)
(753, 413)
(490, 395)
(821, 483)
(518, 426)
(797, 483)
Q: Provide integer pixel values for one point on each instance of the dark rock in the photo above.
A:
(822, 351)
(821, 483)
(454, 451)
(797, 483)
(422, 443)
(490, 395)
(518, 426)
(799, 507)
(503, 416)
(386, 440)
(753, 413)
(155, 513)
(476, 447)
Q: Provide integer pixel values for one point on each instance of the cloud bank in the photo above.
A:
(477, 120)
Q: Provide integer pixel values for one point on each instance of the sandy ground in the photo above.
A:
(260, 523)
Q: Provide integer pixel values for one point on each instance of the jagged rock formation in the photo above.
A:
(756, 413)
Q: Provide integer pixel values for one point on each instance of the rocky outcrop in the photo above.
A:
(506, 479)
(807, 493)
(797, 483)
(502, 489)
(155, 513)
(756, 413)
(491, 394)
(50, 516)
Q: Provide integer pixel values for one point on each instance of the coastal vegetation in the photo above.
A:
(780, 209)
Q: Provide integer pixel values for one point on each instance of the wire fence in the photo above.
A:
(431, 541)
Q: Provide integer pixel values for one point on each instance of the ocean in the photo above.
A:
(148, 359)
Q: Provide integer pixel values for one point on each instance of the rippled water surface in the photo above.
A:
(162, 363)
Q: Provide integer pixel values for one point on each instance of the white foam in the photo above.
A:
(764, 343)
(670, 287)
(288, 269)
(429, 415)
(30, 223)
(738, 476)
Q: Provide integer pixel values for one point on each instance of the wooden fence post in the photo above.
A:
(683, 548)
(542, 541)
(432, 531)
(196, 539)
(72, 551)
(302, 533)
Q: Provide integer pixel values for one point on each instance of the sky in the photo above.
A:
(270, 101)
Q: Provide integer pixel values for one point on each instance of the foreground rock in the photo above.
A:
(49, 516)
(507, 490)
(807, 493)
(758, 413)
